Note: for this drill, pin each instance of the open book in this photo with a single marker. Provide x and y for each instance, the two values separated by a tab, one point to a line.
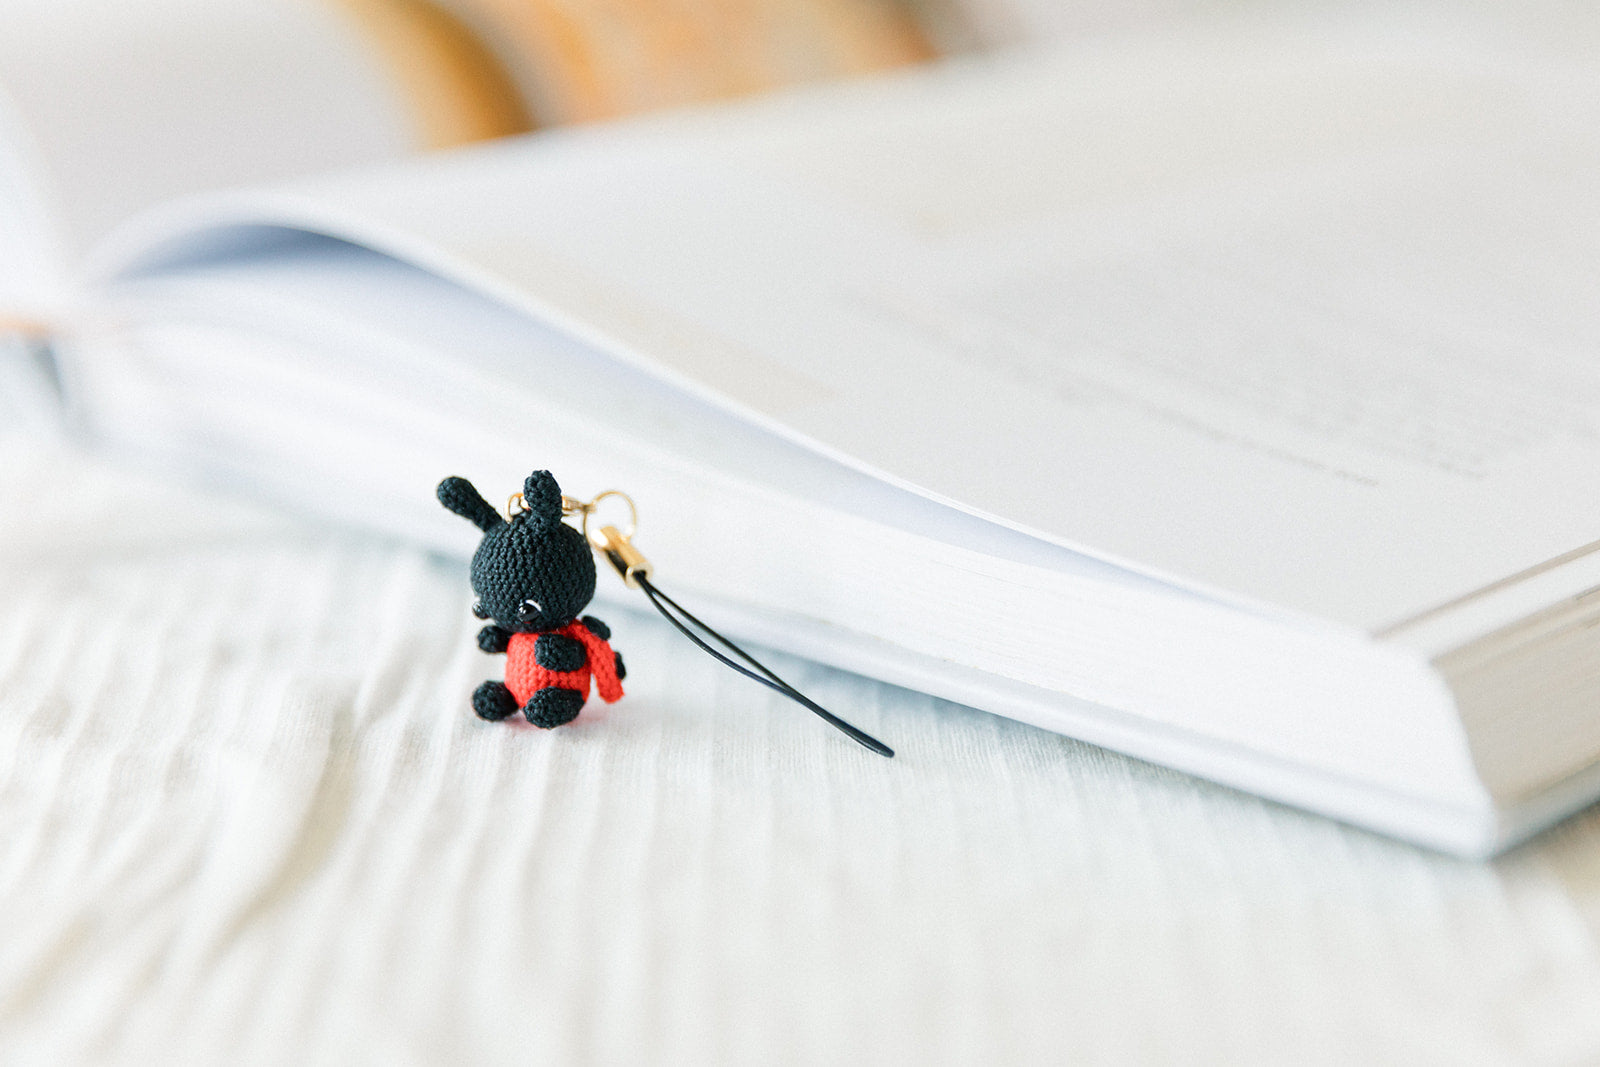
1226	396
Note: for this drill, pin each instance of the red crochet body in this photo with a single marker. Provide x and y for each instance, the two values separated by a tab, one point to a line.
524	676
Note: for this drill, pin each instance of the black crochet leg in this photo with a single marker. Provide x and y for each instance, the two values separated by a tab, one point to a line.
553	706
493	701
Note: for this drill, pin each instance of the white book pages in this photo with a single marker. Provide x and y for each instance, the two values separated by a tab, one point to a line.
1300	319
349	384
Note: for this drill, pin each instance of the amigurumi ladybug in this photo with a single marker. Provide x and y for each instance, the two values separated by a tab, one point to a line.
533	575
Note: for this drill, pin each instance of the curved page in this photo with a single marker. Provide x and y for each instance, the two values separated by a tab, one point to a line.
1296	317
347	384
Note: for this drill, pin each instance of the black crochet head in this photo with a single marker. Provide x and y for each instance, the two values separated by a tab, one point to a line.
533	573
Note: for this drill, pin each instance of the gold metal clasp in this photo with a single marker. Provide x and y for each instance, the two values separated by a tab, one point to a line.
615	545
623	557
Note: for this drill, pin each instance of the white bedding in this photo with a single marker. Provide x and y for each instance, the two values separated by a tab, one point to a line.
246	815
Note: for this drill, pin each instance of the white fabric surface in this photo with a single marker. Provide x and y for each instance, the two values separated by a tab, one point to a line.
247	816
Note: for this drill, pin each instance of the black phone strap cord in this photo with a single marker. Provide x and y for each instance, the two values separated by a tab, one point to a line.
681	618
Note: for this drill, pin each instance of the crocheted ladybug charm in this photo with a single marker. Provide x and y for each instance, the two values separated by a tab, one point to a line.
533	575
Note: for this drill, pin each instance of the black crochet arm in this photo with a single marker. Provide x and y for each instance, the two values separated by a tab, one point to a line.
494	639
558	652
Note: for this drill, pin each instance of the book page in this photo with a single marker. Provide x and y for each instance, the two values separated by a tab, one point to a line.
1298	316
107	108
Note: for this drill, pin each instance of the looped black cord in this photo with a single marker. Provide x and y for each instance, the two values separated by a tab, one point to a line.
662	601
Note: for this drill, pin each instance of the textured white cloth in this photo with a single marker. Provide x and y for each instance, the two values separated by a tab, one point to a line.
246	815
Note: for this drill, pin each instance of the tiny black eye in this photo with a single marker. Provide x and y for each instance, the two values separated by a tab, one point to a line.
477	609
529	609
